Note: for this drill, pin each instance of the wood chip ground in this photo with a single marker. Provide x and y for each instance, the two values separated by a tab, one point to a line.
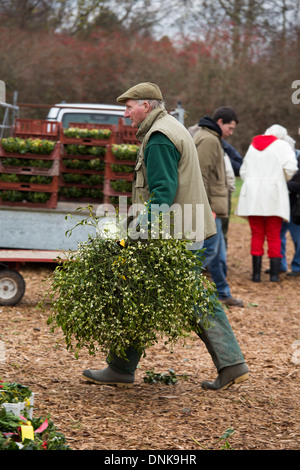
263	412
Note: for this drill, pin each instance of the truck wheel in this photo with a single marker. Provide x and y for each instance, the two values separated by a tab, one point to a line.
12	287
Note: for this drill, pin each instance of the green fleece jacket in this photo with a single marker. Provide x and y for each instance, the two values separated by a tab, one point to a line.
162	172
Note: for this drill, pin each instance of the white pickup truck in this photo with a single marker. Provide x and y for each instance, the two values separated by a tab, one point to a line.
86	113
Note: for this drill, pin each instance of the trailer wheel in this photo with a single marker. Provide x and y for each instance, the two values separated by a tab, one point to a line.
12	287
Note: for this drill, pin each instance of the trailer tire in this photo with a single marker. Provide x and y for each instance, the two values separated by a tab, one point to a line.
12	287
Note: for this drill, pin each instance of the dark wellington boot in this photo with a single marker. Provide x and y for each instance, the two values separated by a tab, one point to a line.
227	377
109	376
256	268
274	269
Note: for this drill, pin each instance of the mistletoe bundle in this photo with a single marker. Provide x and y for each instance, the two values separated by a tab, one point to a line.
106	296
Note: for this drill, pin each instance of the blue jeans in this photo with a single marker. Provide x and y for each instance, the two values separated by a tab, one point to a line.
295	234
216	260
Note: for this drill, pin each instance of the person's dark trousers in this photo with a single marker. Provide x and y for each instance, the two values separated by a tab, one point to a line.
256	268
219	340
126	365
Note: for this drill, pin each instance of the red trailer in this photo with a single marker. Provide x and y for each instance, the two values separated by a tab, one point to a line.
12	284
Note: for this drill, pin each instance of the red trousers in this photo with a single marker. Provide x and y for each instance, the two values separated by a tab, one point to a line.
265	228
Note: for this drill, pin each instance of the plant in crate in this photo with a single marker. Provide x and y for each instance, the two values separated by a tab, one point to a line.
40	146
31	145
14	145
24	196
72	149
81	133
125	151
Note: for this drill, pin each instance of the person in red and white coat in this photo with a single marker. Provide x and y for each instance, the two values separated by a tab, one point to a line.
267	166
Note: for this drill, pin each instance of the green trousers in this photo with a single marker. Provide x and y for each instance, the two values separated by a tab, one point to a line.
219	340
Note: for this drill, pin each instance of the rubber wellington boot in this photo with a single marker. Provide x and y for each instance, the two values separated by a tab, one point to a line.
109	376
274	269
228	376
256	268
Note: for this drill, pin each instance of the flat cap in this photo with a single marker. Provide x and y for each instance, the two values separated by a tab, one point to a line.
141	91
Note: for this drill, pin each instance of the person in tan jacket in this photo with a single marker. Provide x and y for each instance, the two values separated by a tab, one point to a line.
208	141
167	171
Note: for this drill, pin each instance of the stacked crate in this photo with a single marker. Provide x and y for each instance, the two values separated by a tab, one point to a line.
28	177
119	164
82	166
